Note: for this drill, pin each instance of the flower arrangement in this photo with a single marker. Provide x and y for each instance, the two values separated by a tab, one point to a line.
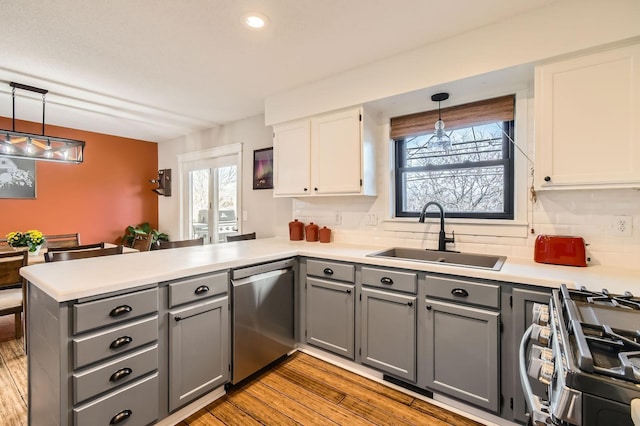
32	239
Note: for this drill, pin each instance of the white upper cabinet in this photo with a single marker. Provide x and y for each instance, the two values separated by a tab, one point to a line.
292	159
587	114
323	155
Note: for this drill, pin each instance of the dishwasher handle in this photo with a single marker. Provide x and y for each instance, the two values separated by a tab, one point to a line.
238	274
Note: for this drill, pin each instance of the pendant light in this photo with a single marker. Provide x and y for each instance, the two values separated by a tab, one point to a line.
439	138
38	147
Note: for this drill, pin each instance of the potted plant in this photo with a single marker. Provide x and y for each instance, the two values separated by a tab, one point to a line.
143	228
32	240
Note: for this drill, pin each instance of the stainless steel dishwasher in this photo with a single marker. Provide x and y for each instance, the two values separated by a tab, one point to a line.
263	326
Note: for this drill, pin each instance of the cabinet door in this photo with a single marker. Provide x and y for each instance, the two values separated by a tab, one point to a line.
523	301
462	354
291	159
330	316
588	120
198	350
336	153
388	325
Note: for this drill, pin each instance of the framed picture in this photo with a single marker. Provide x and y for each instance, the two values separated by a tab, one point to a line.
17	178
263	168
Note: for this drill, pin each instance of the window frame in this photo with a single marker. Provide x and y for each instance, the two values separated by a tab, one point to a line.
508	162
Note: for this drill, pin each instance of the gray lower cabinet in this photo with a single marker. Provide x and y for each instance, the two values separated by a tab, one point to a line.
331	316
199	350
94	360
462	356
388	332
199	336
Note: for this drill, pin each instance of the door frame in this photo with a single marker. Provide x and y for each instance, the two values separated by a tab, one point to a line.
185	160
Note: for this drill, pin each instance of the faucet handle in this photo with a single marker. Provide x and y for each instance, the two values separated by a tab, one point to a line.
452	239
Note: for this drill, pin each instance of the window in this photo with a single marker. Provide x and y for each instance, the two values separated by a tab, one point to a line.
474	179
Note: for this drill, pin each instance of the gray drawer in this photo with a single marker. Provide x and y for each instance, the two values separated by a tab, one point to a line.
391	280
107	376
332	270
464	291
137	403
94	347
192	289
90	315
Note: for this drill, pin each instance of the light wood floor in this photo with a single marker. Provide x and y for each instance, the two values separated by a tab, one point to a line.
303	390
13	376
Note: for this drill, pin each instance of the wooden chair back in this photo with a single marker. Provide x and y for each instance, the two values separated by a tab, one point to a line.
12	286
82	254
142	242
182	243
77	248
62	240
241	237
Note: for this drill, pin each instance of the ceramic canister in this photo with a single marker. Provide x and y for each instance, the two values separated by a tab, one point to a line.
312	232
296	230
325	234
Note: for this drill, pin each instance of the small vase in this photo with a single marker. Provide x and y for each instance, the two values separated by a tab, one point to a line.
36	251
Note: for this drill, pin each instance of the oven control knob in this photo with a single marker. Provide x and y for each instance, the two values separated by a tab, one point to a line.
540	314
541	333
543	353
541	370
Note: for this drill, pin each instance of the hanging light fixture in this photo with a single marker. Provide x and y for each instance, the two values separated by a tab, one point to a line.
38	147
440	138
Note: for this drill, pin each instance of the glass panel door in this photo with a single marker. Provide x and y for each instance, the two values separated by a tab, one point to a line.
213	203
199	203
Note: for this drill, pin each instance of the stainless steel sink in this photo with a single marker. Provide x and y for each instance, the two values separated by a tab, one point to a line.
471	260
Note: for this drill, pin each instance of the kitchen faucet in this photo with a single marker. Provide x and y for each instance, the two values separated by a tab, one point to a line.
442	237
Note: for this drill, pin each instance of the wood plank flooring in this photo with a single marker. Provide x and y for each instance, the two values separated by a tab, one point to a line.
13	376
303	390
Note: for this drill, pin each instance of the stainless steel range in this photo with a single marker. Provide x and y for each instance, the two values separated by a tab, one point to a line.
587	351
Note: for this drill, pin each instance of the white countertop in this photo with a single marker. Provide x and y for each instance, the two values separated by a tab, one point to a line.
89	277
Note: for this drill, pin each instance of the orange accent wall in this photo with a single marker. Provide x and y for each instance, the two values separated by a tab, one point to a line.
98	198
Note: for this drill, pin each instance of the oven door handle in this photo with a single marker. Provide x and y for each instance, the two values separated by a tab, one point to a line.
635	411
538	410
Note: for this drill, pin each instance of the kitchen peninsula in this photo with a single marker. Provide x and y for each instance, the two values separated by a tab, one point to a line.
142	292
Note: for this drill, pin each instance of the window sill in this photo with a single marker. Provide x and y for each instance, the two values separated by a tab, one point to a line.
479	227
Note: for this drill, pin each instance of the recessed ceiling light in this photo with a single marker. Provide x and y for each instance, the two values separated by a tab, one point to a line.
255	20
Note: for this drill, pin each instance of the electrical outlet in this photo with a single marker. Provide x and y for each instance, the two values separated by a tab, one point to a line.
338	220
372	219
245	215
622	226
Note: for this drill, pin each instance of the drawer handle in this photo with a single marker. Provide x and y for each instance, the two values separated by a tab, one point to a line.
120	310
328	271
120	374
428	307
460	292
348	291
120	342
386	280
121	417
409	303
201	290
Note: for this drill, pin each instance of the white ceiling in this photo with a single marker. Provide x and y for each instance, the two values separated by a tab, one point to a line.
159	69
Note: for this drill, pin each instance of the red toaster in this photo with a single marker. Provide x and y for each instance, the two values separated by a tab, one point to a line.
560	250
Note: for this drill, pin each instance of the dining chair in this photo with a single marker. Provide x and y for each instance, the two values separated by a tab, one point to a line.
12	287
82	254
77	248
241	237
62	240
182	243
142	242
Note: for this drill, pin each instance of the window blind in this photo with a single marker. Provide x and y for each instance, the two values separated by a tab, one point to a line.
475	113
